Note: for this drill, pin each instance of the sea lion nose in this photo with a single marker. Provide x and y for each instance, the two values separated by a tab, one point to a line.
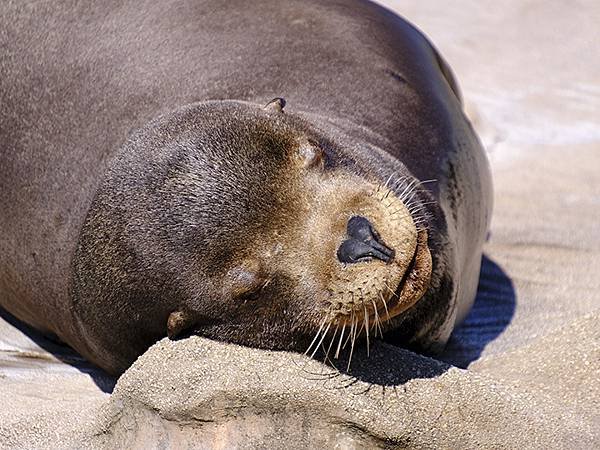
363	243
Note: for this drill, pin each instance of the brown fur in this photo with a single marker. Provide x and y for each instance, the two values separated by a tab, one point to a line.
223	217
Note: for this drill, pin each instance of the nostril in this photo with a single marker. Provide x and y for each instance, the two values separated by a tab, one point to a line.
360	228
363	243
352	251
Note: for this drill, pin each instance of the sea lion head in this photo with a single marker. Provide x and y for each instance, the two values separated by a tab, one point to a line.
246	224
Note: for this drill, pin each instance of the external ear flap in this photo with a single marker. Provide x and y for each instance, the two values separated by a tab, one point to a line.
177	322
275	105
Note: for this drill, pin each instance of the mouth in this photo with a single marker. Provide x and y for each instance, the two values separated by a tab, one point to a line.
413	285
409	290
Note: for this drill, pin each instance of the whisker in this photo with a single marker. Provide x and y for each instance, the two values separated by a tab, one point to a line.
367	328
337	352
379	322
413	189
409	187
316	336
388	180
352	347
400	181
385	306
331	342
321	341
376	324
418	206
350	331
362	326
389	288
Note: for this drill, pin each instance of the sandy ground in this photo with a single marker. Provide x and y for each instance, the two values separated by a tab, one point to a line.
528	355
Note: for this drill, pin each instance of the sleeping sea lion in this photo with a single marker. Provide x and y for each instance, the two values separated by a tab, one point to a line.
154	182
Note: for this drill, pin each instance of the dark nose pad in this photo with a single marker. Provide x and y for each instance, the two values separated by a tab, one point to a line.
363	243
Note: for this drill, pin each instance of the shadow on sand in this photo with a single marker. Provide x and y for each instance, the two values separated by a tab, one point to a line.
61	352
492	312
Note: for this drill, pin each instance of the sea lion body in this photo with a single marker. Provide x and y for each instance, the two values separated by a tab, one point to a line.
76	80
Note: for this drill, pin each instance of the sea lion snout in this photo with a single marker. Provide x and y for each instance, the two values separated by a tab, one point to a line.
382	263
363	243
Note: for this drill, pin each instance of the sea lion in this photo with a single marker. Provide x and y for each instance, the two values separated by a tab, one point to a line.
151	187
